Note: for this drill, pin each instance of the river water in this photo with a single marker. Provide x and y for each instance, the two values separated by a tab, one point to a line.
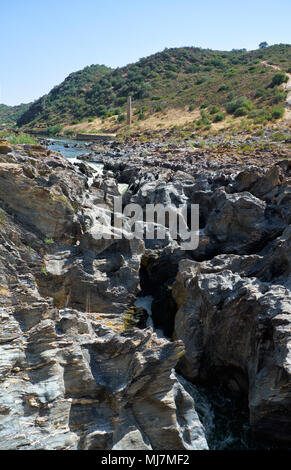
68	148
225	422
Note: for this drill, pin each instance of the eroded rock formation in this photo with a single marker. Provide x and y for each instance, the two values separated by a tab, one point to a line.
71	375
233	293
76	373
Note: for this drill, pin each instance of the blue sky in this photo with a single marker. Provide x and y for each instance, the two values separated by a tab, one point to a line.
42	41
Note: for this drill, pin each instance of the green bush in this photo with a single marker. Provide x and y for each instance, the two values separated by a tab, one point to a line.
279	78
54	130
49	241
239	107
214	109
277	113
260	116
261	93
23	139
260	133
68	132
204	121
159	108
202	80
204	114
279	137
219	117
4	134
223	88
121	118
242	111
278	97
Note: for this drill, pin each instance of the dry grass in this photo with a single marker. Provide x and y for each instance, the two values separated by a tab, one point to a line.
175	117
4	292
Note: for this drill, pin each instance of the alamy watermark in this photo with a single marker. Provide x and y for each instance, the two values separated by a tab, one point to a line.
154	221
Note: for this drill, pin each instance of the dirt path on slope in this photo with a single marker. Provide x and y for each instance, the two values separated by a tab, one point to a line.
286	86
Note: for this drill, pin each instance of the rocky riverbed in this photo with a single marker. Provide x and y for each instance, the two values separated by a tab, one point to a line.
80	367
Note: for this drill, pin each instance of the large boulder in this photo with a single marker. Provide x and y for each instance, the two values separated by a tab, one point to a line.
240	223
38	200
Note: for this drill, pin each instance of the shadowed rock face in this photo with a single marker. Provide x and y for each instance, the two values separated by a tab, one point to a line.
234	319
71	376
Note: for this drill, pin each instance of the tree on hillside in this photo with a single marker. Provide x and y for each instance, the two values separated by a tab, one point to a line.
263	44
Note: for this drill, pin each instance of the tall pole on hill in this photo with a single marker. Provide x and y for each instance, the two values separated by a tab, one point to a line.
129	111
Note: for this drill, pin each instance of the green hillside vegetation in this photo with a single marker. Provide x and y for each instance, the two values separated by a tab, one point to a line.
67	100
279	55
215	82
10	114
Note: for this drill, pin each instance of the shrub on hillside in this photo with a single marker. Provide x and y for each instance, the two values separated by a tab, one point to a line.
69	132
204	121
223	88
239	107
279	137
219	117
214	109
279	96
242	111
202	80
260	116
54	130
261	93
159	108
279	78
192	69
121	118
277	113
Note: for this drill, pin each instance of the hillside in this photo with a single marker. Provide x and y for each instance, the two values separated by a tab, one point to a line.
10	114
209	84
65	101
